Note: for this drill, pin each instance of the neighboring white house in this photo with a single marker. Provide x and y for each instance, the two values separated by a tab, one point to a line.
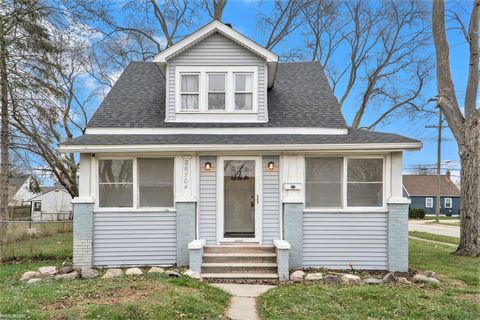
19	190
217	156
54	204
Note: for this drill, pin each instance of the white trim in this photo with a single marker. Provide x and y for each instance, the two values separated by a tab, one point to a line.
258	206
281	244
445	203
346	210
222	131
241	147
82	200
197	244
209	29
398	201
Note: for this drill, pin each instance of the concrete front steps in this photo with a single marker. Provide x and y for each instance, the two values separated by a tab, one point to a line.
239	262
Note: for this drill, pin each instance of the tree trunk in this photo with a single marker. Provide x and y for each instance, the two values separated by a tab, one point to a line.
3	136
470	192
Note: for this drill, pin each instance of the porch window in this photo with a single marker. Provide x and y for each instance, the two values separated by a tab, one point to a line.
155	182
335	182
324	182
115	183
364	183
189	91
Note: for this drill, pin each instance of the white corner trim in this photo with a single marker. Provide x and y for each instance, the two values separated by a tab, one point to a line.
281	244
240	147
78	200
222	131
197	244
224	30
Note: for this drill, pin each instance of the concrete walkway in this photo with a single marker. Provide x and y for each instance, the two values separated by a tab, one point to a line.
243	304
440	229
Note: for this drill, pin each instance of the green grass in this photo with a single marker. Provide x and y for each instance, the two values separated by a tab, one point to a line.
452	224
442	218
150	296
57	247
434	237
25	230
457	298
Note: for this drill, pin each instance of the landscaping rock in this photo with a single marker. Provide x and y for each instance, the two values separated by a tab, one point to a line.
314	277
350	279
133	272
372	281
112	273
34	280
156	270
433	282
91	273
332	278
403	280
192	274
173	274
30	275
389	278
47	271
431	274
65	270
67	276
297	275
420	278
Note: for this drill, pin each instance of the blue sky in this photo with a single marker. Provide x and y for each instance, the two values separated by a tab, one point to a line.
242	15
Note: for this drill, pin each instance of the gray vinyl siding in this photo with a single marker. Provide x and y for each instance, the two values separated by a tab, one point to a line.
332	240
134	238
271	201
208	201
217	50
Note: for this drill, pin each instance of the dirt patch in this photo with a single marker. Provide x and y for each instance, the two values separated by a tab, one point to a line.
475	298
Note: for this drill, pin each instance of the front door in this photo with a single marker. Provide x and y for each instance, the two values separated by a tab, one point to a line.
239	178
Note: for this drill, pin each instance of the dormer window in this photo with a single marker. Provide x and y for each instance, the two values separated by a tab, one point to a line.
217	89
189	91
243	91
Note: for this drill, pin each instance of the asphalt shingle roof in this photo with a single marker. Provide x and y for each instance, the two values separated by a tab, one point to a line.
353	136
301	97
426	185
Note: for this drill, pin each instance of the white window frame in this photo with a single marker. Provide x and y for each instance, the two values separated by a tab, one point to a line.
203	72
136	202
450	203
429	202
224	92
188	92
235	90
345	207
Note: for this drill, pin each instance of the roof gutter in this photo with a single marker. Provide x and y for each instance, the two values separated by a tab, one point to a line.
241	147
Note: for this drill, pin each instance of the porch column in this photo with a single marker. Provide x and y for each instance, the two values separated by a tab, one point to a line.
83	234
186	213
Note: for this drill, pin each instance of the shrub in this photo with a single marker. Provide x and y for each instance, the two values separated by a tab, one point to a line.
416	213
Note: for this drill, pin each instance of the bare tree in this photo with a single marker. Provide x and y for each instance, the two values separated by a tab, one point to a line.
24	44
465	126
215	8
375	52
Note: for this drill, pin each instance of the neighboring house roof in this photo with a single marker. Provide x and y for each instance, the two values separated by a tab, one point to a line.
46	190
301	97
426	185
354	136
18	181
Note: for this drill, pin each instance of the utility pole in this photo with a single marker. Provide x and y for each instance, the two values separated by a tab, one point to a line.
438	202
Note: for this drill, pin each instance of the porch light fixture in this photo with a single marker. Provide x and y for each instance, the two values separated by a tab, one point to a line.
271	166
208	166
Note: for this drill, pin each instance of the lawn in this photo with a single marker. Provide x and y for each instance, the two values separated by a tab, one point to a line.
150	296
457	298
56	247
434	237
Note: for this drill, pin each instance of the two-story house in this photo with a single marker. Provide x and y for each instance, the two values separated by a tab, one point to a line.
218	157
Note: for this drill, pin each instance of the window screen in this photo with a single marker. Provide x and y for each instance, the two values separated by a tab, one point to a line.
155	182
323	182
364	183
115	183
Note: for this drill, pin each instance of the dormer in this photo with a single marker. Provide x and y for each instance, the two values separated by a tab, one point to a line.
217	75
